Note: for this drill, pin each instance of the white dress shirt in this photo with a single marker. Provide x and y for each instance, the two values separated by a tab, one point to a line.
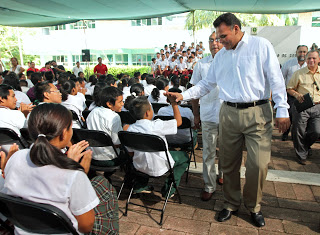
246	74
153	163
68	190
183	135
104	119
290	67
210	103
163	63
172	65
21	98
76	103
76	70
12	119
181	66
148	89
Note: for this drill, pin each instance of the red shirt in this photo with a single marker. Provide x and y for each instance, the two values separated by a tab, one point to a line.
34	70
100	69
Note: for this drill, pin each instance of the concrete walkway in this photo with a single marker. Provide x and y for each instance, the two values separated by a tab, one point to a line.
291	201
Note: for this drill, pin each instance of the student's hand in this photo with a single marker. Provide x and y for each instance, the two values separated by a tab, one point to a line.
283	124
197	121
4	159
75	152
86	160
177	96
125	127
26	108
83	90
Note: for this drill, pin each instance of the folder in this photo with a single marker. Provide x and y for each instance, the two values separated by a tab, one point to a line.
307	103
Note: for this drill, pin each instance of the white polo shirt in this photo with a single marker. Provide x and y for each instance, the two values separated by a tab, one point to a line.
12	119
155	163
162	63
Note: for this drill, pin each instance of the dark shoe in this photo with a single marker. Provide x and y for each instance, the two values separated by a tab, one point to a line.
205	196
225	215
258	219
301	161
284	137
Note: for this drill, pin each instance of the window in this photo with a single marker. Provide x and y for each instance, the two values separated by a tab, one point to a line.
121	59
142	59
61	59
83	24
147	22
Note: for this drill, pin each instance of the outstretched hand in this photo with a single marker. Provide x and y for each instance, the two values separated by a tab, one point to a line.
176	97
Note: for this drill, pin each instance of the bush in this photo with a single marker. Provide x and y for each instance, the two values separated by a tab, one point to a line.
115	70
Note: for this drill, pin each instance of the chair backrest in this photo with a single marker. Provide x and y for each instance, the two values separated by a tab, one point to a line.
126	118
88	102
142	142
76	118
88	97
186	123
8	137
35	217
157	106
94	138
186	106
85	114
26	136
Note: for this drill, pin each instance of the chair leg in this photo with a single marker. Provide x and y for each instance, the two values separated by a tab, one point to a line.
122	185
128	201
190	157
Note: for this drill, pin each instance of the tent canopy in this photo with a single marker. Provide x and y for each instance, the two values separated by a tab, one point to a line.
38	13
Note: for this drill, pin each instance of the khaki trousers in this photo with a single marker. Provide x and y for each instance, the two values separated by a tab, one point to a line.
252	126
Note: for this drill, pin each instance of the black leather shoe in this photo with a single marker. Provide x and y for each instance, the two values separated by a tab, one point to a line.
258	219
225	215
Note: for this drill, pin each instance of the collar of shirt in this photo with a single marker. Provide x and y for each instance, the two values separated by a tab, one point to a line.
244	40
309	71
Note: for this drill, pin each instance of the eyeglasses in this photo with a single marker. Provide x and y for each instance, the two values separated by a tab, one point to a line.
56	91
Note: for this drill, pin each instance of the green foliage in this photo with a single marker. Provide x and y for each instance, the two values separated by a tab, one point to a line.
9	44
115	70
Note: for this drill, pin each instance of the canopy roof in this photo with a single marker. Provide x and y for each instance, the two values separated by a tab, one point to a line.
37	13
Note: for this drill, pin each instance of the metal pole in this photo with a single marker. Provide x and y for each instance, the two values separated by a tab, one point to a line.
19	44
193	29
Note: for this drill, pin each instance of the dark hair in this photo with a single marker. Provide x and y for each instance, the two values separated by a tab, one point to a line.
71	76
35	78
229	19
137	89
150	80
92	77
136	74
143	76
109	94
63	78
184	80
66	89
49	76
74	79
80	80
49	62
96	92
23	83
102	78
4	91
12	80
174	89
160	85
175	81
79	73
20	75
138	107
110	80
131	81
50	120
29	73
40	88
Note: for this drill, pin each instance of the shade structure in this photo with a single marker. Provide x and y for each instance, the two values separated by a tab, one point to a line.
38	13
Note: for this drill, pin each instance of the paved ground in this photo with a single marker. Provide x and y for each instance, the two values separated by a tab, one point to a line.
288	208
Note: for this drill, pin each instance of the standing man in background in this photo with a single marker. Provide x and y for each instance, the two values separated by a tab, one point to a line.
77	69
246	71
100	69
209	116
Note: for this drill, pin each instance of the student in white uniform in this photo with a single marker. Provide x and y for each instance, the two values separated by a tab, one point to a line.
10	118
56	178
173	66
154	66
182	66
183	135
12	80
96	94
46	92
90	85
73	101
157	94
104	118
135	91
150	85
155	164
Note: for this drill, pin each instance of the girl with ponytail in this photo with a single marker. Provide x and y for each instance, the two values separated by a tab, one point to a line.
45	174
157	94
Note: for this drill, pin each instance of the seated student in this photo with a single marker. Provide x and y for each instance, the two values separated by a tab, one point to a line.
35	78
46	92
90	80
24	86
104	118
110	80
183	135
182	66
135	91
150	85
48	76
154	66
53	177
175	83
190	65
10	117
126	90
12	80
82	83
73	101
143	80
155	164
63	77
173	66
93	82
30	84
96	94
157	94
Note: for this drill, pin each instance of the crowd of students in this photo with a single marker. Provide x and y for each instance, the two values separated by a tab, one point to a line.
177	61
55	168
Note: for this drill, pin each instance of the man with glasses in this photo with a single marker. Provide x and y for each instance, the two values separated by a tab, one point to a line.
246	71
209	116
288	69
306	124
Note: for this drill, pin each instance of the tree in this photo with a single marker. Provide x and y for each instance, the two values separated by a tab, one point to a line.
9	45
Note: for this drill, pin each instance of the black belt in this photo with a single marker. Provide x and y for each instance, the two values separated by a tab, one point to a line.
246	105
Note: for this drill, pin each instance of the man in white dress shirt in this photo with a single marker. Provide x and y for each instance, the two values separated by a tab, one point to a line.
246	71
288	69
209	115
77	69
